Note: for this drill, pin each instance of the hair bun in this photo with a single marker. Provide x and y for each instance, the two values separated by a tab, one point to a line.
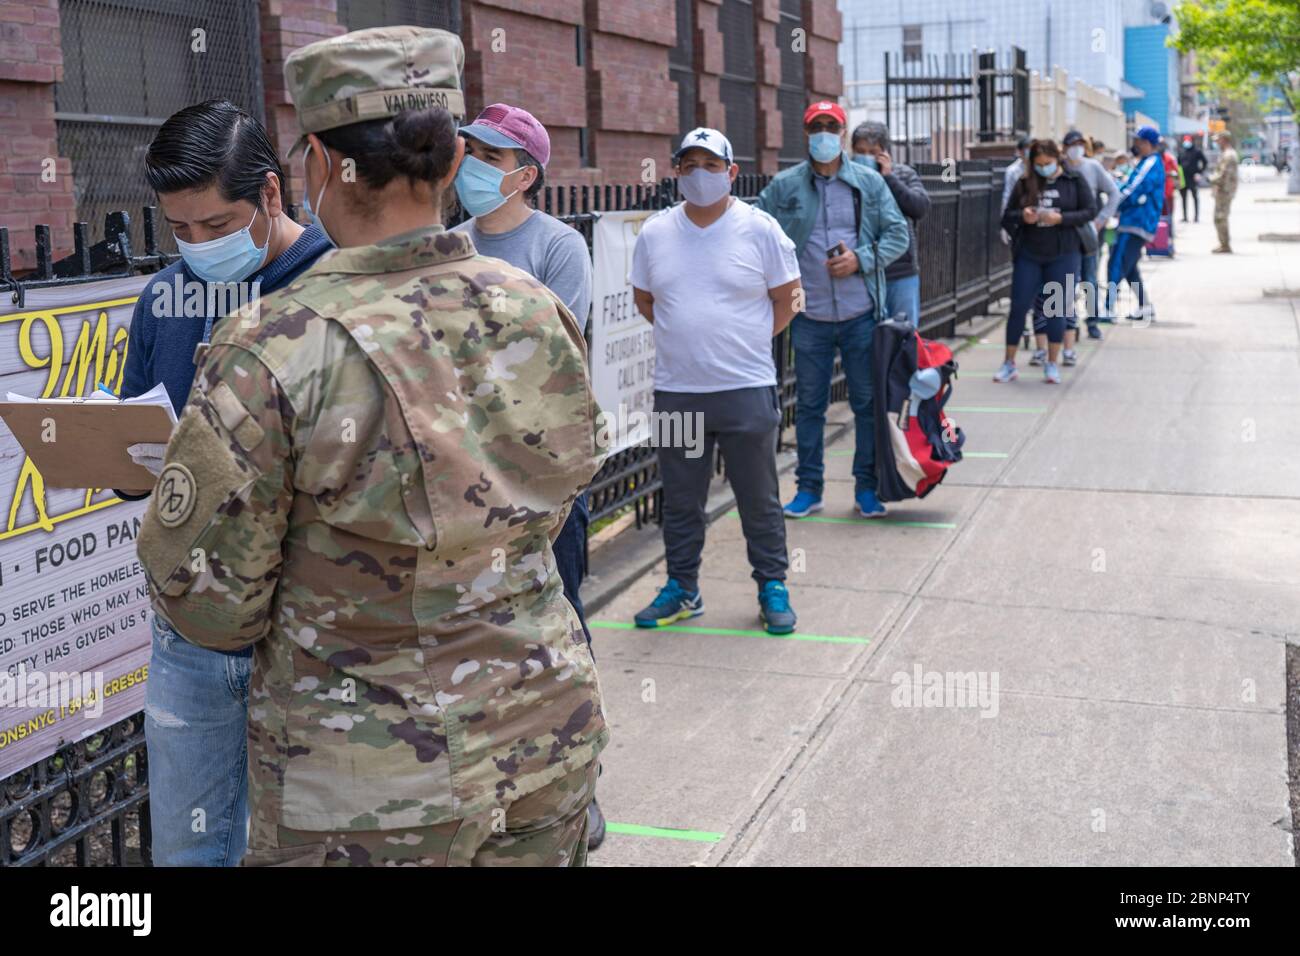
419	137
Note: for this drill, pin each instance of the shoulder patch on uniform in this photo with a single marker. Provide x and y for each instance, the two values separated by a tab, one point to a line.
175	495
235	417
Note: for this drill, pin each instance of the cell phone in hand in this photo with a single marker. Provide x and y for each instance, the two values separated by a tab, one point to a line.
839	249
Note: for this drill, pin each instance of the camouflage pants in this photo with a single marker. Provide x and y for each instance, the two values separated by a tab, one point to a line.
547	827
1222	206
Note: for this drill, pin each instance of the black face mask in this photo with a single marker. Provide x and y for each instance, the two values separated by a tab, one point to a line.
1134	150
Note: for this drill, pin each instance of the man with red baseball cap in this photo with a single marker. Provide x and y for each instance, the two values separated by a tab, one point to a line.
506	152
847	227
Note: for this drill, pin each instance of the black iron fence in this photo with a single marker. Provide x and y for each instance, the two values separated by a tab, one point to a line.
937	107
87	803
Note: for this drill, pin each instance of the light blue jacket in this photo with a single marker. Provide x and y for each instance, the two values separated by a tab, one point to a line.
883	235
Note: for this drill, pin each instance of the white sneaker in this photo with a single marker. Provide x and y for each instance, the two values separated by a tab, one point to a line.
1007	373
1039	357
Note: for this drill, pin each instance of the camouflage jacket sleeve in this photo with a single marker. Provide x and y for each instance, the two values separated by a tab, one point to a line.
211	539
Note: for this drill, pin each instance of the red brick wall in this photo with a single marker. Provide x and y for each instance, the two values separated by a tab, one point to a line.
526	54
632	104
30	63
287	25
619	96
821	18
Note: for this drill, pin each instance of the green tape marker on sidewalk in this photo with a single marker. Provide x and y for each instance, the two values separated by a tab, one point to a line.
728	632
889	522
665	833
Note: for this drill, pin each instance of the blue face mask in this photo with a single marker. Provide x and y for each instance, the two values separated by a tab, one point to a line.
478	185
320	196
865	160
229	258
823	147
1046	171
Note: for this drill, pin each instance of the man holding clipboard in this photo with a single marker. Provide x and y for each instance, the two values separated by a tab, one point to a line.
221	189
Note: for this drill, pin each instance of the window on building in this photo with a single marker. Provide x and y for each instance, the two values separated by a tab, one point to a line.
738	81
791	92
681	67
361	14
127	66
912	44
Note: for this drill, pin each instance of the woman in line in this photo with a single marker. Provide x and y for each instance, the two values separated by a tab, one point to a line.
1046	207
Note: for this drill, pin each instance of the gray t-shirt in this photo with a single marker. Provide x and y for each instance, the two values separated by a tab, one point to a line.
548	250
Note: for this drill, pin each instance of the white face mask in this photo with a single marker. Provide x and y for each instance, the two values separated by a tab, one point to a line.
700	187
1076	154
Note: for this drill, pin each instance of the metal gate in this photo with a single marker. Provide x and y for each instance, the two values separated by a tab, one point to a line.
130	64
937	107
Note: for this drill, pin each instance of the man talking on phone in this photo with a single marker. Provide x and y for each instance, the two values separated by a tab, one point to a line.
847	228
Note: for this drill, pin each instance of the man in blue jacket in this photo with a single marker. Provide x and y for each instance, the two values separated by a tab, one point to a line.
1141	196
221	189
846	227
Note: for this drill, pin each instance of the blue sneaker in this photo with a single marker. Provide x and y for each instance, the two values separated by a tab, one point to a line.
672	604
802	505
774	608
869	505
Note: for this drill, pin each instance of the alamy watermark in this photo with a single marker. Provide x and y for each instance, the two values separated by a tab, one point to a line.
951	689
60	693
662	429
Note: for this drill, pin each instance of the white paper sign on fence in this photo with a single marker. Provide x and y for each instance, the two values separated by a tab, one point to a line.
622	341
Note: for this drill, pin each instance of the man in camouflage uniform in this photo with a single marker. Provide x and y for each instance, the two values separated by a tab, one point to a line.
1224	183
364	486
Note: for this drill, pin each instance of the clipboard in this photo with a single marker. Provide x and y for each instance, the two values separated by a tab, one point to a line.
90	440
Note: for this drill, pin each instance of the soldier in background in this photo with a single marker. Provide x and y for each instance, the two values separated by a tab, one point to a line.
364	487
1224	183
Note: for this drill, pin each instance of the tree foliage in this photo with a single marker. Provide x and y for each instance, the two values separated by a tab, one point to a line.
1243	44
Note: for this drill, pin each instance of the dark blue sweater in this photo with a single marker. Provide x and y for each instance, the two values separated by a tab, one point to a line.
162	349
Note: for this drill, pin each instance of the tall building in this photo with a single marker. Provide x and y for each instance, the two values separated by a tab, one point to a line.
1154	68
1084	37
85	83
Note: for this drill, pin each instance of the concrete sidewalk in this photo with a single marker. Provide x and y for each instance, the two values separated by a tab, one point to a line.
1121	554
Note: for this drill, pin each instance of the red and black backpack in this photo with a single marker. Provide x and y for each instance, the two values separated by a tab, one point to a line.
916	442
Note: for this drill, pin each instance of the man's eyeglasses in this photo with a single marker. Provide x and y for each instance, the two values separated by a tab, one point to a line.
827	126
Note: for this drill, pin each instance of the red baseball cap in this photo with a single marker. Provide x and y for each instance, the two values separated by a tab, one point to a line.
825	108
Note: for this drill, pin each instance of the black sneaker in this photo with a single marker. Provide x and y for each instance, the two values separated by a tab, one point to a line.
595	826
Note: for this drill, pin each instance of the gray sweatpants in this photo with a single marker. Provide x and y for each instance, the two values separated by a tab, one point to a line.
744	423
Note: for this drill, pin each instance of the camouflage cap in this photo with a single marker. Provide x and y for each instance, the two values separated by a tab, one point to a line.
373	74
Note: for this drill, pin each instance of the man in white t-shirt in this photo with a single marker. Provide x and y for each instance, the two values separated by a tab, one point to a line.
717	279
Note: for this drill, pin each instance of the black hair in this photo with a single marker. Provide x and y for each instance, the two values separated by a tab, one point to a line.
417	144
525	158
872	133
1023	142
214	142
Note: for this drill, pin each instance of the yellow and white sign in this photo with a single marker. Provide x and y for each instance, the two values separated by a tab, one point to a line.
74	640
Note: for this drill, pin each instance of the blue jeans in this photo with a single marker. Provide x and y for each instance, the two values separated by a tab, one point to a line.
570	549
1091	294
1123	267
814	361
1030	280
904	295
196	731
